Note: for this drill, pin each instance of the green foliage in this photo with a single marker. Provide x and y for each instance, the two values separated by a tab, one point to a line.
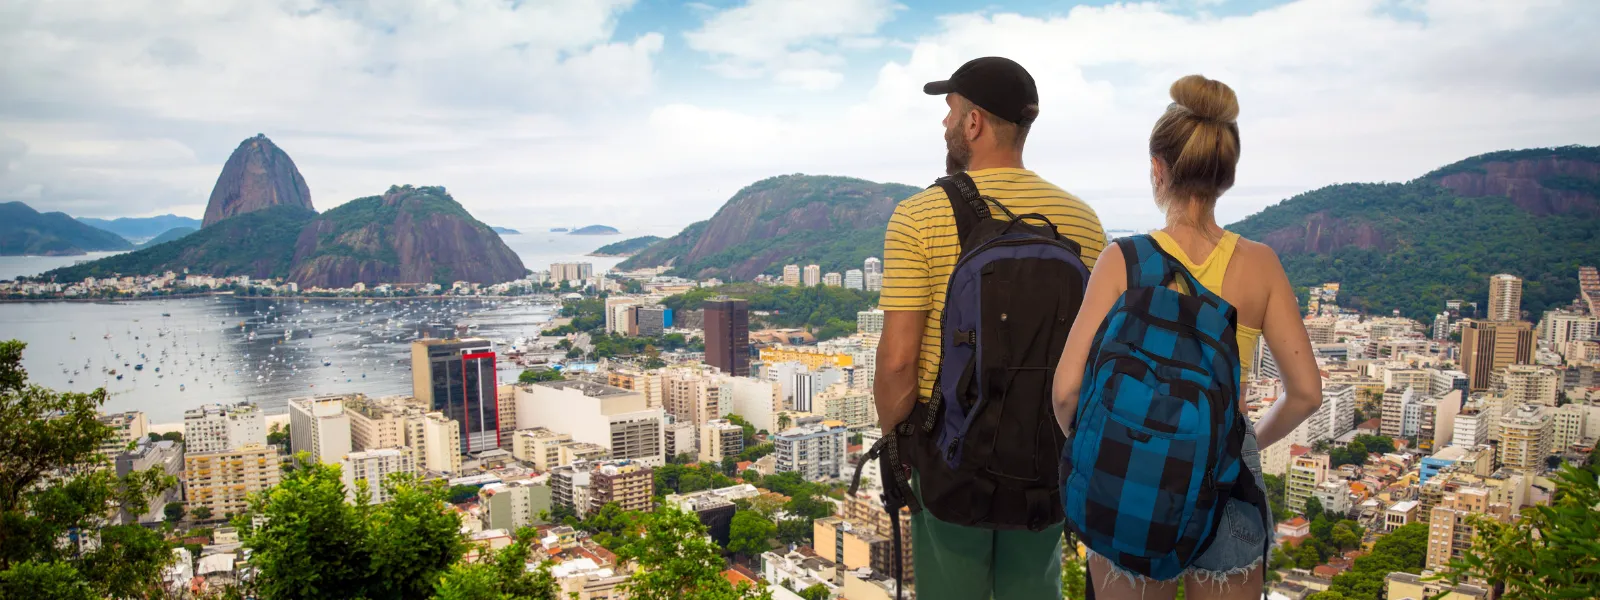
817	591
749	532
676	561
749	430
627	247
1306	557
1275	495
277	435
682	479
754	453
201	512
538	375
1376	443
1313	508
1404	549
259	244
476	581
173	511
307	542
503	575
54	482
1476	163
612	527
24	230
809	506
795	531
1551	552
1073	582
1441	248
811	307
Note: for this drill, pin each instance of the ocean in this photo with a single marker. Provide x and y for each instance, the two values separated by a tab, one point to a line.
196	351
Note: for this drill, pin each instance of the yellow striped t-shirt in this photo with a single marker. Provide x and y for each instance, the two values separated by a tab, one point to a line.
920	248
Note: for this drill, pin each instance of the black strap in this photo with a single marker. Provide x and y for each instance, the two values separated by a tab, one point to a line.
965	202
897	491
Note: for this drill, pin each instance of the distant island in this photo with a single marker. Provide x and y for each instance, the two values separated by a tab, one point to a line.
169	235
506	231
141	229
27	232
558	230
627	247
594	230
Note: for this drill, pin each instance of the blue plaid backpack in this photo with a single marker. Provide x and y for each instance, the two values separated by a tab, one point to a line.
1156	451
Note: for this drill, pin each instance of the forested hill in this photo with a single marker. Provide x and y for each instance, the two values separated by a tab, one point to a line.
1411	246
835	222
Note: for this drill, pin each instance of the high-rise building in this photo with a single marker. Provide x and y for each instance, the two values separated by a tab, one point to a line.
1306	472
214	428
870	321
1525	436
812	358
127	427
811	276
512	506
167	456
1443	381
727	328
832	279
1567	425
1441	326
854	280
539	447
580	271
692	396
719	438
505	396
613	419
457	378
815	451
1420	379
851	546
872	265
569	487
874	282
1395	403
644	382
1488	346
619	313
373	467
840	402
1449	531
1505	298
631	485
1472	426
318	425
865	510
758	401
1336	416
647	321
1589	289
682	438
801	384
436	440
791	275
1529	384
374	424
1560	326
223	481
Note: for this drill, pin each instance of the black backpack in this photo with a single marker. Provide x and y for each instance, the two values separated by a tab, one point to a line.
986	445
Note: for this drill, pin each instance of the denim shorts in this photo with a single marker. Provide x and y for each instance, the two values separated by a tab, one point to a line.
1241	540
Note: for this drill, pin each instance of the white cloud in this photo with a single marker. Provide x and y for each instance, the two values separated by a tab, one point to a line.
797	42
548	118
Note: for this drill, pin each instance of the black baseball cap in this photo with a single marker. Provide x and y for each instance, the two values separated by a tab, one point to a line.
998	85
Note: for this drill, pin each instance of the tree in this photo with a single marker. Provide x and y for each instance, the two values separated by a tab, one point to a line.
1306	557
817	591
1404	549
677	562
1326	595
1313	509
810	507
503	576
307	541
458	494
1343	538
177	436
54	482
1551	552
749	430
278	435
201	512
730	465
1073	580
795	531
784	421
538	375
1275	497
173	511
476	581
754	453
1376	443
749	532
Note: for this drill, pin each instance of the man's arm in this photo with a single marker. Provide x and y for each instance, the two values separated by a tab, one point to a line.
894	386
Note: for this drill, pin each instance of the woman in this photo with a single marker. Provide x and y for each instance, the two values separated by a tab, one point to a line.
1194	150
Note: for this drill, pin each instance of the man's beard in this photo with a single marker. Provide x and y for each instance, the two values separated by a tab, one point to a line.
957	153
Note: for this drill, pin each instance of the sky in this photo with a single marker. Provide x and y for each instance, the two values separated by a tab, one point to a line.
648	115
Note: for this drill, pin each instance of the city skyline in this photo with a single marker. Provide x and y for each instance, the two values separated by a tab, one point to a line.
593	104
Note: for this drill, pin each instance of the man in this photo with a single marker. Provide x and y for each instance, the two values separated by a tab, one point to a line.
993	103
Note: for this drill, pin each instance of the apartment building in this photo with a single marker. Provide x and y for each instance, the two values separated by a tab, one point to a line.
1472	426
214	427
870	321
757	401
1489	346
375	423
164	455
1305	473
610	417
539	447
1505	298
578	452
1567	425
791	275
865	510
374	467
811	276
720	438
436	440
851	405
643	382
810	357
318	425
512	506
569	487
815	451
127	427
1529	384
630	485
1525	437
851	546
1449	532
223	481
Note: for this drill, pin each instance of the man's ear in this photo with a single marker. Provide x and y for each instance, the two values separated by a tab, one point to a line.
975	124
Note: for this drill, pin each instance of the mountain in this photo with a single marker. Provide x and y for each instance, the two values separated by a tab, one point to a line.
259	244
25	231
257	175
506	231
627	247
408	235
1411	246
594	230
141	228
169	235
835	222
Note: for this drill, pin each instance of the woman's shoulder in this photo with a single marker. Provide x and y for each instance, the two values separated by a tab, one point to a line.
1254	255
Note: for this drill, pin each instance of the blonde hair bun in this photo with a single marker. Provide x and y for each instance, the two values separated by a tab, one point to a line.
1206	98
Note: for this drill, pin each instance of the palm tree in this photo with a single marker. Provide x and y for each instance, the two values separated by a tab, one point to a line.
783	421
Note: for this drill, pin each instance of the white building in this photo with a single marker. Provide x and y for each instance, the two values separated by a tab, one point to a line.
1525	437
811	276
512	506
853	280
215	428
1334	496
539	447
611	417
1336	416
439	449
373	467
816	451
1559	327
840	402
720	438
874	282
757	401
1568	423
1530	384
832	280
319	426
870	321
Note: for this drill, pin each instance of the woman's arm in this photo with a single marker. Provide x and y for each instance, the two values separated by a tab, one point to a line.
1285	334
1109	280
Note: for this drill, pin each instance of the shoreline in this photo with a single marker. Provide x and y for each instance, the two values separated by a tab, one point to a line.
231	294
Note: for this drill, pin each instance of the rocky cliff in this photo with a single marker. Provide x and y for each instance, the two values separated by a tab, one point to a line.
835	222
408	235
257	175
1411	246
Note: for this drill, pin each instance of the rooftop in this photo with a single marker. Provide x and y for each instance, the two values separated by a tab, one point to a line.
587	388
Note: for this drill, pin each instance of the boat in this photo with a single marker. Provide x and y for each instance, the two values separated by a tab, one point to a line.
166	314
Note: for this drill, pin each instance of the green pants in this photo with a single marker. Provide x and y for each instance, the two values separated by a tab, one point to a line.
955	562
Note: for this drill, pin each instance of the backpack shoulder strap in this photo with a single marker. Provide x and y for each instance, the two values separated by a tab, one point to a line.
1147	265
965	202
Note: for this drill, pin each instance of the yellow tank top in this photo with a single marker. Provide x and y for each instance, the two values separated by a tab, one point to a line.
1210	274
